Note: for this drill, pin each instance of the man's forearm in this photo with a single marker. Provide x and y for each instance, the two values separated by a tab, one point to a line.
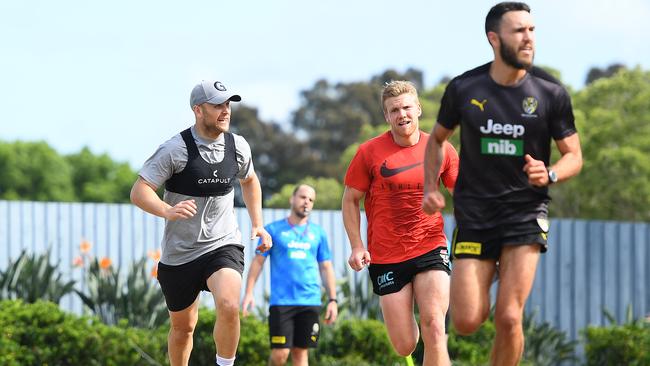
253	274
432	163
144	196
351	222
570	163
329	279
252	194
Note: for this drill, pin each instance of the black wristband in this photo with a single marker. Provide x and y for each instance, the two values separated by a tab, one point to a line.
333	300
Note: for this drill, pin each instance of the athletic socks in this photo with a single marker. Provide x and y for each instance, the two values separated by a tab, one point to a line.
225	361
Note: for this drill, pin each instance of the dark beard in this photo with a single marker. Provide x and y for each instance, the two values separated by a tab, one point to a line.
509	57
301	214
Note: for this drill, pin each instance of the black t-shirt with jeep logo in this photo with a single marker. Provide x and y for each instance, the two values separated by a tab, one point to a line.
498	126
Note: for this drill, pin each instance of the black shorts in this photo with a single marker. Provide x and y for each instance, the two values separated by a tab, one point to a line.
182	284
390	278
294	326
487	244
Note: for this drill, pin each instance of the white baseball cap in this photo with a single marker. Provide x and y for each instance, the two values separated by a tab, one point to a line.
213	92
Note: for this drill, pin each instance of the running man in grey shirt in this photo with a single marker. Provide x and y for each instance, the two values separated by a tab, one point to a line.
202	246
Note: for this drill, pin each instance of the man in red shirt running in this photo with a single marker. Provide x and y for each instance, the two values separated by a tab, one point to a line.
407	252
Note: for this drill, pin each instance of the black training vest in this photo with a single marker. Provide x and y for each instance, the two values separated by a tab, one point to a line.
200	178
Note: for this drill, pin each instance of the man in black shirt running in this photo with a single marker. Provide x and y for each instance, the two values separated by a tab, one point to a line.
508	111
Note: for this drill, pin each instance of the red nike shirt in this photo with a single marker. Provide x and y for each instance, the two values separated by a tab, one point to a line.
392	177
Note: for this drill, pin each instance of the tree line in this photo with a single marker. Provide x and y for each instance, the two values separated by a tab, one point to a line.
612	116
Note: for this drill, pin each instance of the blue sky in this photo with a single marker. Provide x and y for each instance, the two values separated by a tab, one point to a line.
116	76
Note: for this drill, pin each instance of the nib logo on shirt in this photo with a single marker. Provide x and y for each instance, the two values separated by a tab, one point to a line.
502	146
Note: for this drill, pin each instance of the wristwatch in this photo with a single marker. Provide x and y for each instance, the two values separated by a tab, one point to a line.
552	177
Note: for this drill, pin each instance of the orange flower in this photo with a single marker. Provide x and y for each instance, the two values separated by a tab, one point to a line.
154	255
85	246
105	263
154	271
78	261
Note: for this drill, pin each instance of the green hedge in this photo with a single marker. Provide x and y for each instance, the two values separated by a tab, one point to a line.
473	349
349	342
253	346
627	344
355	342
42	334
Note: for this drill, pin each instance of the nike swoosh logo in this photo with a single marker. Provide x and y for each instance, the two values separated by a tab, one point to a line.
387	172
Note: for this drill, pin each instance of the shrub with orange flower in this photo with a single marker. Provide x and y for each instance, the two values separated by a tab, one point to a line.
113	294
78	261
154	255
85	246
105	263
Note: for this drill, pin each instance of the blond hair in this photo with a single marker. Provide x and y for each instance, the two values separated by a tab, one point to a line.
395	88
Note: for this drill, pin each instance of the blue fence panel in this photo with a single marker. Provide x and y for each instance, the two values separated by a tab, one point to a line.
591	266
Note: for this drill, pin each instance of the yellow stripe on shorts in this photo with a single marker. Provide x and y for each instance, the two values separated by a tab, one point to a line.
278	339
468	247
